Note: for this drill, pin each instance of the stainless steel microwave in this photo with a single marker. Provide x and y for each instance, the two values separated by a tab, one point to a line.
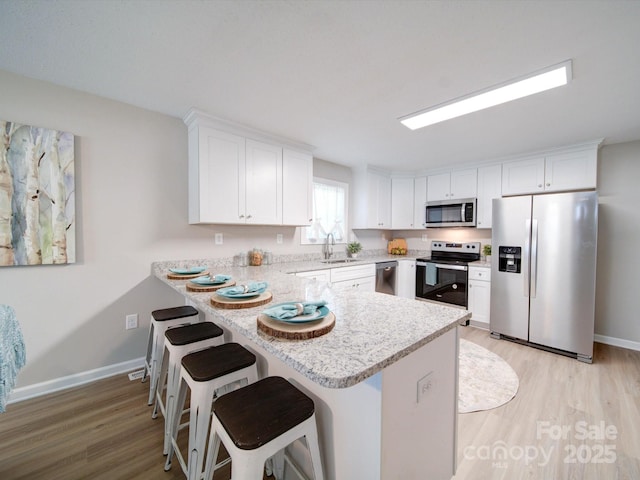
451	213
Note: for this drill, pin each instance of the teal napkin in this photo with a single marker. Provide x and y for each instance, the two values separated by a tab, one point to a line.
220	278
209	279
251	287
290	310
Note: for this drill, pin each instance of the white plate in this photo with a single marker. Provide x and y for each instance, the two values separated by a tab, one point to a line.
187	271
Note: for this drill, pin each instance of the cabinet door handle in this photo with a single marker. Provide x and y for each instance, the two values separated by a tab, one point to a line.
241	216
548	184
248	216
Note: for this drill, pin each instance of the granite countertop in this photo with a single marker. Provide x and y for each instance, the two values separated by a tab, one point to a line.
372	331
481	264
309	265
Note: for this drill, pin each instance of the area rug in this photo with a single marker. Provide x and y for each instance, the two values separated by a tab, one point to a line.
485	380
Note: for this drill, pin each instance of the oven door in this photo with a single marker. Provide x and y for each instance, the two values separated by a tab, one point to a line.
441	282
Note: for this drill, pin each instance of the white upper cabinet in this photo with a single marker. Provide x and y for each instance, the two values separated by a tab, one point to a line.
452	185
402	203
216	162
240	179
523	176
263	183
419	199
438	187
571	169
489	187
372	200
408	196
297	188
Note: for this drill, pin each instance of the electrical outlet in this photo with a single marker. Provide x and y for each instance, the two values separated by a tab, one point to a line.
131	321
425	386
219	239
279	238
424	237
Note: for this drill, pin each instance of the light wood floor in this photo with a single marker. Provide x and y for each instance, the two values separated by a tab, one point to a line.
104	430
555	394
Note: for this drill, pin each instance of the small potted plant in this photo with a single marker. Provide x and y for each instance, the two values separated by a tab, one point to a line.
354	248
486	250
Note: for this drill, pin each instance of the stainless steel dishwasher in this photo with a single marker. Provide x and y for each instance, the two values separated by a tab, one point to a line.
386	277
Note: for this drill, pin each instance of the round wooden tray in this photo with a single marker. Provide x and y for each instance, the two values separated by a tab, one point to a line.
235	303
194	287
177	276
296	331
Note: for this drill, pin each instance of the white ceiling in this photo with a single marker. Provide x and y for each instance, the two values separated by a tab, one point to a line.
337	75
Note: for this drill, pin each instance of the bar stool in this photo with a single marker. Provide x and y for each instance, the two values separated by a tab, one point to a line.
257	421
161	321
203	373
178	342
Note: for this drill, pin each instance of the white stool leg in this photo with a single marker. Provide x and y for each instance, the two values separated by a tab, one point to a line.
156	356
147	359
250	468
159	405
173	385
199	419
175	424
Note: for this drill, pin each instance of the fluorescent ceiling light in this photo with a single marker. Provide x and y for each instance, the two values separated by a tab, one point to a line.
546	79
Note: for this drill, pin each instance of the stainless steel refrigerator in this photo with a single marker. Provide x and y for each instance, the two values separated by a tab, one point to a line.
543	270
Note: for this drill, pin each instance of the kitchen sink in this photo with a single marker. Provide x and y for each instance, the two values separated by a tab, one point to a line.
339	260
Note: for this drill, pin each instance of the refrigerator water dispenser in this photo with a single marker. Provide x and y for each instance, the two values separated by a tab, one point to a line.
509	259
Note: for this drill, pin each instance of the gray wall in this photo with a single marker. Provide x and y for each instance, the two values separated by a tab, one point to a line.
131	181
618	274
131	206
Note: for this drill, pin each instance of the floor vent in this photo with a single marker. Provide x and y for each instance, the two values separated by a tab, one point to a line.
137	375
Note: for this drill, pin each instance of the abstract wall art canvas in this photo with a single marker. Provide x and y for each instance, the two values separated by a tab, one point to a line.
37	196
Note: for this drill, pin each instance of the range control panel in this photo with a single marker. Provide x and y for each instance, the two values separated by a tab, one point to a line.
442	246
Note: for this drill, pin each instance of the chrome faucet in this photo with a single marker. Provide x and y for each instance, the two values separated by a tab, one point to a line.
328	247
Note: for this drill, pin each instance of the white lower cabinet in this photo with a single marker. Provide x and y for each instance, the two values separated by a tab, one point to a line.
320	275
406	278
479	296
362	277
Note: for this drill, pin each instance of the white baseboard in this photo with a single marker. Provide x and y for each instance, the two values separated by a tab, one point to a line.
618	342
62	383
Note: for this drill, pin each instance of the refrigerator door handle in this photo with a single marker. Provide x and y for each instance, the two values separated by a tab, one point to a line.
534	257
525	255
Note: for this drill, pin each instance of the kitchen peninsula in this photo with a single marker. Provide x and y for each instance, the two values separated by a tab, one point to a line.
384	380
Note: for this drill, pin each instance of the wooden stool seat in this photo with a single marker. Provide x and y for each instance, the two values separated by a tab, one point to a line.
258	413
193	333
173	313
216	362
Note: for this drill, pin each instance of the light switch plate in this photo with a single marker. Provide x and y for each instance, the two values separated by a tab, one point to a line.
131	321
